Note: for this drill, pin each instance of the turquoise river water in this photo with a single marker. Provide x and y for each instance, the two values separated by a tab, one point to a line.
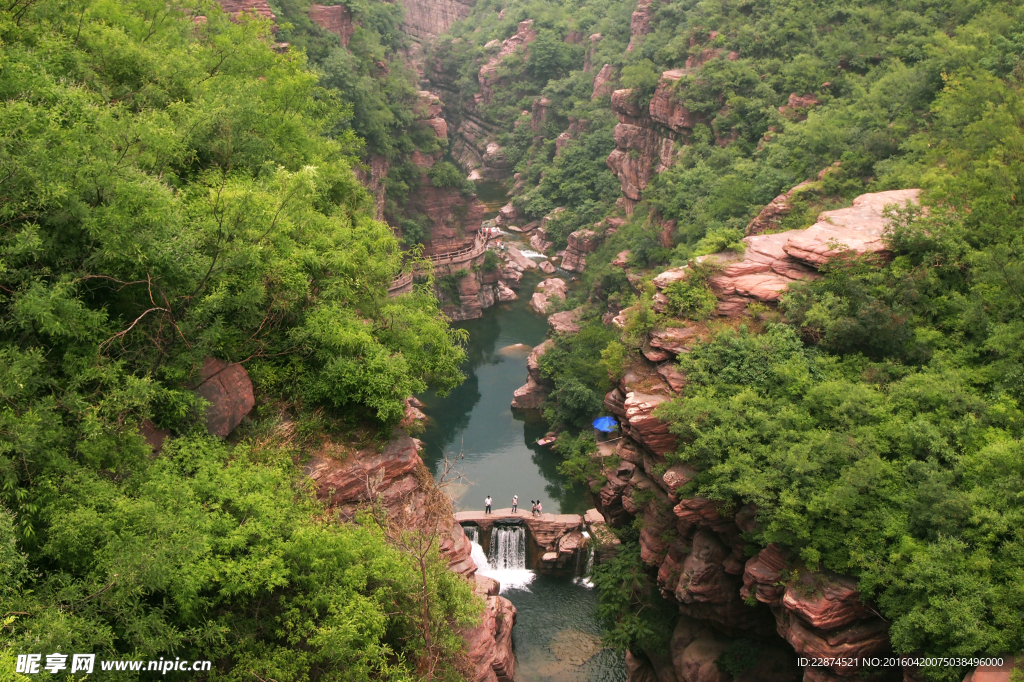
556	636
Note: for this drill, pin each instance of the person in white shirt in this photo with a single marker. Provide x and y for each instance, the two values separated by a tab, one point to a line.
487	505
515	503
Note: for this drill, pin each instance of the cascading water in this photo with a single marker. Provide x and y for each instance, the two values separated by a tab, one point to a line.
507	560
584	566
508	548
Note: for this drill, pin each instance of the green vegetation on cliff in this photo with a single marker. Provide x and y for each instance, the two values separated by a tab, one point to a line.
170	192
875	420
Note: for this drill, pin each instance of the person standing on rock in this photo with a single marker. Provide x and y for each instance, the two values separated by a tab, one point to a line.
515	503
540	508
487	505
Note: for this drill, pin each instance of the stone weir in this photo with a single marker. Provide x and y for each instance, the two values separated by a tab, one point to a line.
554	539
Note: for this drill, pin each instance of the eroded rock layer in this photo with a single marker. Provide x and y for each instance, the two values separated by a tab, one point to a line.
397	474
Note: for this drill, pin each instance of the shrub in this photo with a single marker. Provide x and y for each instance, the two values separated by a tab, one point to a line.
691	299
449	285
444	174
491	262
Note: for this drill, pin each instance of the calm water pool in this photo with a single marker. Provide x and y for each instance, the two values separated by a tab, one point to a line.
556	637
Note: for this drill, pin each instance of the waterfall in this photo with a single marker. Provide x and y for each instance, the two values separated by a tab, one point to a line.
507	560
583	570
508	548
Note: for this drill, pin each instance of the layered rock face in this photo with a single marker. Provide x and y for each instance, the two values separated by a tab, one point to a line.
697	545
334	18
395	473
476	151
639	24
488	75
641	148
425	19
603	82
454	242
666	109
645	136
259	8
475	146
698	550
772	214
581	242
771	262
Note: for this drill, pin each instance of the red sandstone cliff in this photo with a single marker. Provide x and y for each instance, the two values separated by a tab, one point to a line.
399	476
699	548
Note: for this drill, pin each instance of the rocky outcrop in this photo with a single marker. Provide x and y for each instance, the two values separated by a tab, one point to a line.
640	150
770	263
346	480
489	644
504	293
856	230
474	146
425	19
236	8
565	322
430	110
539	114
639	153
531	395
539	241
228	389
666	109
771	216
343	483
603	82
675	340
643	426
588	59
488	75
797	105
581	242
334	18
549	290
516	256
640	23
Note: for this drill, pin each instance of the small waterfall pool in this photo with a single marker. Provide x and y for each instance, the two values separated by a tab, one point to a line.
506	559
557	636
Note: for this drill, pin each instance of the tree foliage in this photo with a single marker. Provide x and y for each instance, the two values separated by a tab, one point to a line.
174	189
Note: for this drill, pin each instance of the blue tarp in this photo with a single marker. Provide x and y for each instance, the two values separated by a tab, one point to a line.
606	424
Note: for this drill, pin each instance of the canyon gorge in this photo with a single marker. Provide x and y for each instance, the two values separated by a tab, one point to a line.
728	591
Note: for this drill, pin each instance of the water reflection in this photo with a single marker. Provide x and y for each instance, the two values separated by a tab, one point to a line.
501	457
556	637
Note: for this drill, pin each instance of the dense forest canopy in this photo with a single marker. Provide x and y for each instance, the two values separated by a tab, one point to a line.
172	188
875	418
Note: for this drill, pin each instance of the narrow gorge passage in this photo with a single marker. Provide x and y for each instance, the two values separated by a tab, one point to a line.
557	636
